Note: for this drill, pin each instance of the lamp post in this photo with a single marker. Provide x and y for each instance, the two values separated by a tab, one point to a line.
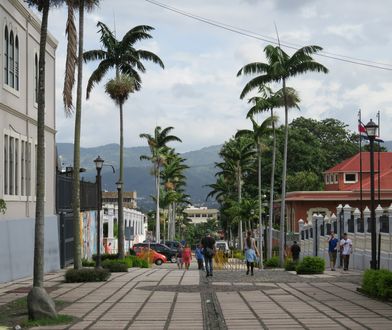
371	132
98	165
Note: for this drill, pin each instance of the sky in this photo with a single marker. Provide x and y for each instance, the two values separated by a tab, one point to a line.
198	91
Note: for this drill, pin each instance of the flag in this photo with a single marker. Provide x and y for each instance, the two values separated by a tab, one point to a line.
361	128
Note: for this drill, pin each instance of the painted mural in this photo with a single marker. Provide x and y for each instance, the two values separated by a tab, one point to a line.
89	234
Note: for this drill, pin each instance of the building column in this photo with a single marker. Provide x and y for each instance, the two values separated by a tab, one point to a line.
347	216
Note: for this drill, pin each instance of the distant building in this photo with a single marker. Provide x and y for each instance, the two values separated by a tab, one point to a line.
342	186
201	214
19	51
129	198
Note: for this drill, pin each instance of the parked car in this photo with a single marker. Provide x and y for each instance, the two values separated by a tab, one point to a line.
172	244
222	246
153	255
169	253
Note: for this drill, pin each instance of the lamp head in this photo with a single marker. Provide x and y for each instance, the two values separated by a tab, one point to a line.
371	129
98	162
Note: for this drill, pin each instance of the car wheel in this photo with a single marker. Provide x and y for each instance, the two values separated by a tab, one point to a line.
159	262
173	259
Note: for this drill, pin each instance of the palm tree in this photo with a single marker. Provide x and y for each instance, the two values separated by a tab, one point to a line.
279	68
39	303
269	101
127	62
259	134
158	147
238	156
69	81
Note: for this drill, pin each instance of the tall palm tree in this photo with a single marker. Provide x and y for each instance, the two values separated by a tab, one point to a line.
259	134
71	61
158	148
126	60
280	67
269	101
238	157
39	303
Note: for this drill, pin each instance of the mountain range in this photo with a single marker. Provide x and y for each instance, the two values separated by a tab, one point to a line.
137	173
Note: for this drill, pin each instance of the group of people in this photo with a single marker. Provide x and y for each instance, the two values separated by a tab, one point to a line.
184	256
344	246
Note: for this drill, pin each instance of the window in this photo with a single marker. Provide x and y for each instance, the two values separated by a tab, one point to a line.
335	178
11	61
17	165
350	177
6	51
36	78
16	69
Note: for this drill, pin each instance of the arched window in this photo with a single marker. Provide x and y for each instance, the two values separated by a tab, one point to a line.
11	60
17	63
36	78
6	51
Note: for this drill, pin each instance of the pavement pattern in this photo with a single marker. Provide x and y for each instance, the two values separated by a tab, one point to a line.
167	298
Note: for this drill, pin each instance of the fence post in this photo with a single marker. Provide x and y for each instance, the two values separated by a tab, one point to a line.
366	216
347	216
339	219
357	254
320	244
301	241
315	233
379	213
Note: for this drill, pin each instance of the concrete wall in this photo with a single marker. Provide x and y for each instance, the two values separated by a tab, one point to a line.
17	247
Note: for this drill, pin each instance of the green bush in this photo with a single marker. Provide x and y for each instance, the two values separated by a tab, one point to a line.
378	283
272	263
131	252
105	256
138	262
238	254
86	275
88	263
311	265
290	265
118	265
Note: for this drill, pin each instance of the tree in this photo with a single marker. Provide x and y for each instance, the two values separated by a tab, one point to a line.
158	148
127	62
39	303
69	81
259	134
304	181
279	68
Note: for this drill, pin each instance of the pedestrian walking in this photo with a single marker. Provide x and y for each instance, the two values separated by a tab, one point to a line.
251	253
108	248
346	246
199	257
208	245
295	251
180	262
187	256
332	249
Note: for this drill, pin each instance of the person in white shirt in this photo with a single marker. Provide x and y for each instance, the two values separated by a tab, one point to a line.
346	246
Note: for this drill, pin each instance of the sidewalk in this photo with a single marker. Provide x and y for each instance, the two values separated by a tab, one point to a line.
166	298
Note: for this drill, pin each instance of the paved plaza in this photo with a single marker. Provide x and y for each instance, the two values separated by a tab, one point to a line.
167	298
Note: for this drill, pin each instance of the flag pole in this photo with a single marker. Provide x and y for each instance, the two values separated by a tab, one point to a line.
360	166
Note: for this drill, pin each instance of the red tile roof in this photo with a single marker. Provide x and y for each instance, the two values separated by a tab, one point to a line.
353	164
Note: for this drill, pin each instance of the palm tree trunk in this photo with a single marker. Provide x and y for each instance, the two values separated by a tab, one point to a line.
271	207
284	174
260	210
158	224
120	192
76	162
38	301
241	239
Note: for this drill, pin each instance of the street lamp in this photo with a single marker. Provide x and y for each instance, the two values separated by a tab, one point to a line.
119	185
371	131
98	165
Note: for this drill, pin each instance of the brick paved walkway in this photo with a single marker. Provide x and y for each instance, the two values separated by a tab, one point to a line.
164	298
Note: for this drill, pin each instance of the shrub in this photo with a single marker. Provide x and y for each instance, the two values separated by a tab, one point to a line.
238	254
131	252
118	265
290	265
88	263
378	283
272	263
105	256
311	265
86	275
138	262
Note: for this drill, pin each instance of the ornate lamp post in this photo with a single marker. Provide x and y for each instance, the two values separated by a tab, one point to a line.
371	131
119	185
98	165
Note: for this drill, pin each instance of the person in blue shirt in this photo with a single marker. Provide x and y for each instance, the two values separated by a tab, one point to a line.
332	249
199	257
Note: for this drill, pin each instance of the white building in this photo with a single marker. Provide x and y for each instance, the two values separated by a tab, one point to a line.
201	214
19	51
132	218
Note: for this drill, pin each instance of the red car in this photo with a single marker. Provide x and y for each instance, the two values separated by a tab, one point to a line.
150	254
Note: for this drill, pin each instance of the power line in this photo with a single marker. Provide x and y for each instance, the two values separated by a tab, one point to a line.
254	35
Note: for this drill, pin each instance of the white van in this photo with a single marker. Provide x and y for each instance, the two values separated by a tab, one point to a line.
222	246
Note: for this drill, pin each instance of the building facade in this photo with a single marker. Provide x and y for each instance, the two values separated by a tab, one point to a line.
129	198
19	51
201	214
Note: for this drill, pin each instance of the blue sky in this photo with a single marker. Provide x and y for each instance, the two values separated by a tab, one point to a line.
198	92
